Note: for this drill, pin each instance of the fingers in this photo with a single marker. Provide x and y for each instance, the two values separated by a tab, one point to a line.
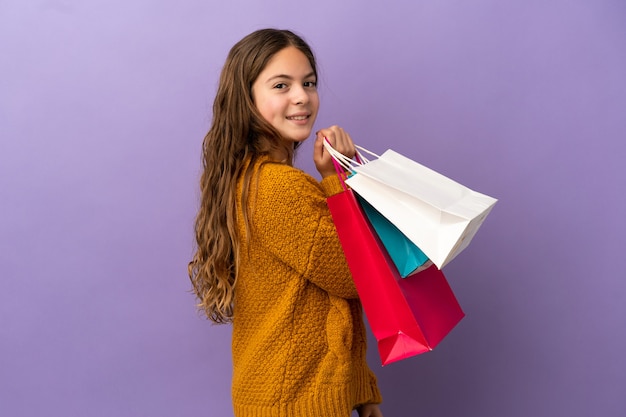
339	140
322	159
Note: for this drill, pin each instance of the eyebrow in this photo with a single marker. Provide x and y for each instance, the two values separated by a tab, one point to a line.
289	77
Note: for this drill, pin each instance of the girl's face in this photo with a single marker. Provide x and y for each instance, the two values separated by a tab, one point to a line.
285	93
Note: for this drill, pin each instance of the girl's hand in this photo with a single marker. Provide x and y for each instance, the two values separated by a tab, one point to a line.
369	410
340	140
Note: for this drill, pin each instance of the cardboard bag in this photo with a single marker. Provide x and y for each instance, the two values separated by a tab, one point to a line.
406	256
407	316
436	213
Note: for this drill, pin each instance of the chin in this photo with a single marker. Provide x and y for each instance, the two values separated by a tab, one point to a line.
298	138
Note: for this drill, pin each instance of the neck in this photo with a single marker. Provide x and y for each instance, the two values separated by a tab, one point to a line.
282	155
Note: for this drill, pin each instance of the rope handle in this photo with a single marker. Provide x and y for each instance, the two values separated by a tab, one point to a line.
345	166
338	162
345	162
360	148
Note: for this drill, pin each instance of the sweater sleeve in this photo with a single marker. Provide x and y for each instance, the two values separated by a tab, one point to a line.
291	221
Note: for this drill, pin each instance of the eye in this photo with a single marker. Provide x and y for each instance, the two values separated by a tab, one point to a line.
280	86
310	84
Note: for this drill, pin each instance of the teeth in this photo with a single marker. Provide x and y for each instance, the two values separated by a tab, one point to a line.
298	118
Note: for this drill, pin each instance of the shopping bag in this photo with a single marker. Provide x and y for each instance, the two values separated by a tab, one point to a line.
435	212
406	256
407	316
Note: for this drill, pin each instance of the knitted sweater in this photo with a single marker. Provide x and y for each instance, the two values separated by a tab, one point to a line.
298	334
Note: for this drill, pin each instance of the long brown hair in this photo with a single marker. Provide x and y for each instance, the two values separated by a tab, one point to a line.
238	134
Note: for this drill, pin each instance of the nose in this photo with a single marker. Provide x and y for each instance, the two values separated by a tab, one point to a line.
300	95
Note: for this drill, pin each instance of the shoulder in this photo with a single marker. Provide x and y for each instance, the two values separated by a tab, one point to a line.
276	169
285	179
280	194
289	179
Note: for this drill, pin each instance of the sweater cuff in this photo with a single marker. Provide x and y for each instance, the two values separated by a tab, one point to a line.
331	185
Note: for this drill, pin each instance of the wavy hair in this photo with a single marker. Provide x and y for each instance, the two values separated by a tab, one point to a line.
238	136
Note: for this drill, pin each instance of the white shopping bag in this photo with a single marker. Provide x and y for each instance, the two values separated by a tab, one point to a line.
435	212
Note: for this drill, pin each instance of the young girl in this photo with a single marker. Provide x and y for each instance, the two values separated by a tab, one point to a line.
268	258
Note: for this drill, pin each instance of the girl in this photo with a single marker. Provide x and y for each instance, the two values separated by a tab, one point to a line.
268	258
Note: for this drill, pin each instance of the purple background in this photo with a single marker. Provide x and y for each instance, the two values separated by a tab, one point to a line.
103	106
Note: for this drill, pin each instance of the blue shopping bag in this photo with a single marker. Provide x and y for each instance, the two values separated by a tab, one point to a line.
407	257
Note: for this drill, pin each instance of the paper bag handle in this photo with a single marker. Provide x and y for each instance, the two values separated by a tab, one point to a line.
360	148
338	162
348	163
345	162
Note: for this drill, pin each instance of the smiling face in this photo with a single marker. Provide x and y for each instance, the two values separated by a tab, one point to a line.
285	93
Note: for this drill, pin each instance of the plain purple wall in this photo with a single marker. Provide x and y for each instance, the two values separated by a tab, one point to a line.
103	106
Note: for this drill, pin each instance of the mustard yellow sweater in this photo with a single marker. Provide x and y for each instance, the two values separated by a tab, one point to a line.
298	334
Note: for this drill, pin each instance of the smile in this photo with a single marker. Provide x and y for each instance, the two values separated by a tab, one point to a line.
297	117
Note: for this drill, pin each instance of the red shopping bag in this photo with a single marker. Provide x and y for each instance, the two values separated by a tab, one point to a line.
408	316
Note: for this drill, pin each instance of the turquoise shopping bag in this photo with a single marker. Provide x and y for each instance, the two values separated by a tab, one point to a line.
407	257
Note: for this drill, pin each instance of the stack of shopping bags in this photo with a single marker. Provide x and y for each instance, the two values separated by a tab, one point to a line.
399	224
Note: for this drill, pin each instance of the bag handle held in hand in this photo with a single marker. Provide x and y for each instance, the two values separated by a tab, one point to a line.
339	159
339	162
345	162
